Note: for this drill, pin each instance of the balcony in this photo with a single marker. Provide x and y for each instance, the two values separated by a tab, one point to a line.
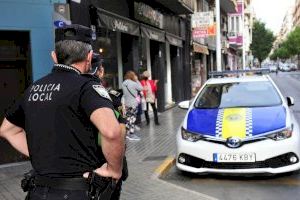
178	6
248	11
229	6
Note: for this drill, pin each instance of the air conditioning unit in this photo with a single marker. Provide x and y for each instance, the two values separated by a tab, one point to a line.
232	34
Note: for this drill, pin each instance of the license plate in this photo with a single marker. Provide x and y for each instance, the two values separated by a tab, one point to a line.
234	157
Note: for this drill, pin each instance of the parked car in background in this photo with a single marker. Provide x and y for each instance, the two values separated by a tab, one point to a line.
284	67
293	67
273	68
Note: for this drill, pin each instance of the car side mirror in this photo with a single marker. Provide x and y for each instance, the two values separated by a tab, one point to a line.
290	101
184	105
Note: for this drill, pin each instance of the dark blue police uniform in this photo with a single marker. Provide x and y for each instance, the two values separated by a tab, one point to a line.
55	114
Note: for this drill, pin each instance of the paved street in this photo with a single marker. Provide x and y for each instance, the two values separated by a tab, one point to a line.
157	143
144	158
286	186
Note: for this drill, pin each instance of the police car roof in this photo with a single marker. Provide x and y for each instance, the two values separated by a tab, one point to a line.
238	79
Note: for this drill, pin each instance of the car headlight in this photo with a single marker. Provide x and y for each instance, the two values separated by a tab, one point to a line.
281	135
192	137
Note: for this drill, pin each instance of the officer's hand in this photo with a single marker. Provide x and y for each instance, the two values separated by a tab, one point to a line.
123	128
105	171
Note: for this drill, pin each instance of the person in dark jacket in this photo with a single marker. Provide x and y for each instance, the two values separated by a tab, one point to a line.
57	122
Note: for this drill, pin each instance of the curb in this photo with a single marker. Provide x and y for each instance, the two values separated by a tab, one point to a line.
163	168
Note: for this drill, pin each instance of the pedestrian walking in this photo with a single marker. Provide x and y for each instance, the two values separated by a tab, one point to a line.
131	89
56	124
140	108
150	90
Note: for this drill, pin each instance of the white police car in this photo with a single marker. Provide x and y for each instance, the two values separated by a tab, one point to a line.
238	125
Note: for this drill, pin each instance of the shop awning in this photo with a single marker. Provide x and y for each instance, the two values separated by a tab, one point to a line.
152	33
199	48
174	40
117	23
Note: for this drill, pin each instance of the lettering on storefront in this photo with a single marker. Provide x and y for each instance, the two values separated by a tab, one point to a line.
119	25
43	92
200	49
154	36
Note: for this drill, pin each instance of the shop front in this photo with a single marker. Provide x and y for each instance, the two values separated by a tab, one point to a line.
154	39
117	40
175	70
144	35
26	40
199	68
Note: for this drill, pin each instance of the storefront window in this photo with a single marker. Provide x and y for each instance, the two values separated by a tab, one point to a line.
143	57
106	45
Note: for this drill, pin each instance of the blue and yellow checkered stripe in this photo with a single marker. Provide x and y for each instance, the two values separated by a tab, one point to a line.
236	122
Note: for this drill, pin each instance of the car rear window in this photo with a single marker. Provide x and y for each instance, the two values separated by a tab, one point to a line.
242	94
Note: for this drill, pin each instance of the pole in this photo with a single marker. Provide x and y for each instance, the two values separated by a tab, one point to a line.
218	36
243	36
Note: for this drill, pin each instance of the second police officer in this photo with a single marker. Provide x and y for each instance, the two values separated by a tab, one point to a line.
56	124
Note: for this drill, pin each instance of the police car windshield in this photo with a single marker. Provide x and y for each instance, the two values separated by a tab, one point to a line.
242	94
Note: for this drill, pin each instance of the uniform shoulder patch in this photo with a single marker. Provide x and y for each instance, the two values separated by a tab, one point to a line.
101	91
114	93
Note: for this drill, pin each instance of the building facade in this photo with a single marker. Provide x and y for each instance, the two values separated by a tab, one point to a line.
142	35
247	35
290	21
240	26
296	14
26	40
204	47
235	36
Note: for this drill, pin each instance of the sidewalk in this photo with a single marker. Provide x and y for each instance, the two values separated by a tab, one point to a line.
144	159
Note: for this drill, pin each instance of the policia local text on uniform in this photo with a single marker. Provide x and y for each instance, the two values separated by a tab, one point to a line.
56	124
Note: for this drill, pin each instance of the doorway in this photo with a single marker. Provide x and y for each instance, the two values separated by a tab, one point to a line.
158	72
177	73
15	77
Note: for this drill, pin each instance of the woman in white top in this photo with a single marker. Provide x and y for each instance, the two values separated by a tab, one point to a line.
131	88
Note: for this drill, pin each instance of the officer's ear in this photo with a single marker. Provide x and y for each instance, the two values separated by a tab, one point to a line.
54	57
90	56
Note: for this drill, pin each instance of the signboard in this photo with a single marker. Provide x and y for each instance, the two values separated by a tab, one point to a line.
147	14
203	25
152	33
117	23
174	40
200	19
200	48
61	15
199	32
204	31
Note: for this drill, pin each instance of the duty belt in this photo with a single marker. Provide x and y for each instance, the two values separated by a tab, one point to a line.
62	183
98	187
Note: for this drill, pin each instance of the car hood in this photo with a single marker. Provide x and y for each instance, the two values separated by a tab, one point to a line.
236	122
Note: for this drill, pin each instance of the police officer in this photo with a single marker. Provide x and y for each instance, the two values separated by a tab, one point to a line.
56	124
97	73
